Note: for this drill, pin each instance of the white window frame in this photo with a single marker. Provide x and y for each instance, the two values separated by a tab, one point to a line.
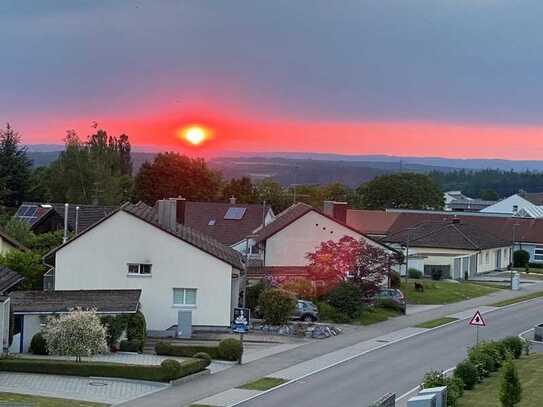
185	305
140	269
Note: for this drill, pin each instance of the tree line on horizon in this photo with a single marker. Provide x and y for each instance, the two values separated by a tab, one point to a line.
98	170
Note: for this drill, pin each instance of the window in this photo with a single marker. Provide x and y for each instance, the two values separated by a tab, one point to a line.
480	258
487	257
139	269
211	222
515	208
184	296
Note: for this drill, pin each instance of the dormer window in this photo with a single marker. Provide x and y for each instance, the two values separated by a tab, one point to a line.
515	208
211	222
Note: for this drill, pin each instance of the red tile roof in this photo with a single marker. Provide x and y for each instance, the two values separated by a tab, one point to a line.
371	222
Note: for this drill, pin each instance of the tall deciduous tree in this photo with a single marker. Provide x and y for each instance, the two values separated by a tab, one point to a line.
273	194
242	189
95	171
15	168
172	175
402	190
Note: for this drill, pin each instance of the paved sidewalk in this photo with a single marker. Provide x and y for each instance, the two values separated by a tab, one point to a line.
238	375
96	390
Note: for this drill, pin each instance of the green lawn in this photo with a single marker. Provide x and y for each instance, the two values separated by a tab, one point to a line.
33	401
436	322
443	292
531	296
263	384
376	314
530	370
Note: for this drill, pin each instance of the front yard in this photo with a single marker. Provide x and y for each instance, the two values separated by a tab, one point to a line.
35	401
443	292
530	370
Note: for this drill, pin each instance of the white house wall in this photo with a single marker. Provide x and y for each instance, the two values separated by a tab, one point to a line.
98	260
289	246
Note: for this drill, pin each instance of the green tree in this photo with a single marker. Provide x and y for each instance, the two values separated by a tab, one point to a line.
43	243
19	230
95	171
242	189
273	194
510	389
488	195
15	168
171	175
28	264
401	190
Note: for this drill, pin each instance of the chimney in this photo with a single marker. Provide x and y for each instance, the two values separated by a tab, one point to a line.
337	210
232	200
167	213
180	205
456	220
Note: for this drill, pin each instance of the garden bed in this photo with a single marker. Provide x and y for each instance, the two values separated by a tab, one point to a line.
101	369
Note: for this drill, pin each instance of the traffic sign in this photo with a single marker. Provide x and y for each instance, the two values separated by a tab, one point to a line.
477	320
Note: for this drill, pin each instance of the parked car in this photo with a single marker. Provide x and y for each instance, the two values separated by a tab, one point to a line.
306	311
388	297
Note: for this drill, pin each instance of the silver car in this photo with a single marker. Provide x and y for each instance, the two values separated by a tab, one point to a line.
306	311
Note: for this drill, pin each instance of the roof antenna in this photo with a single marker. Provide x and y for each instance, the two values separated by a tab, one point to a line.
65	237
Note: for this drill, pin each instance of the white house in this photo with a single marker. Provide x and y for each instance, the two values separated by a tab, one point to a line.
280	248
523	205
456	249
175	267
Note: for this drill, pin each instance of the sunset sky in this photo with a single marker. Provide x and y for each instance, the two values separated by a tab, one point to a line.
454	78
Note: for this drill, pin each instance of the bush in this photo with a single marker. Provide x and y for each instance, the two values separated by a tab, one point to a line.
202	355
253	294
329	313
130	346
172	368
467	372
115	326
276	305
394	279
521	258
483	361
136	328
436	274
38	345
414	273
455	386
510	390
100	369
514	345
187	351
230	349
346	299
535	265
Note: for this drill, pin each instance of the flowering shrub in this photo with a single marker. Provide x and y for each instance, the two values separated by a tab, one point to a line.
78	333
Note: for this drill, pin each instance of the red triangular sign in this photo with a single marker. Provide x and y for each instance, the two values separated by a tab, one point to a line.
477	320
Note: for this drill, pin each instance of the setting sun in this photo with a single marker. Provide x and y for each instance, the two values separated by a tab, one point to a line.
195	134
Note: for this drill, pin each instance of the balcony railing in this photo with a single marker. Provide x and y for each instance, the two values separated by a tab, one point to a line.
49	280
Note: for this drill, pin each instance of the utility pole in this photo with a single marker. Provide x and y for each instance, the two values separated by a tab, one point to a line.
512	254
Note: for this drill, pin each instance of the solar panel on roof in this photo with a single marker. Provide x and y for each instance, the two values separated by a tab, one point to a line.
235	213
31	211
22	210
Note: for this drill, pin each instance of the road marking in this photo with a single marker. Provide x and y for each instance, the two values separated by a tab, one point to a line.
378	348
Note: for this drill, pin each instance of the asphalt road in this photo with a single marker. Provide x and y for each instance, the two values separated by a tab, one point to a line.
398	367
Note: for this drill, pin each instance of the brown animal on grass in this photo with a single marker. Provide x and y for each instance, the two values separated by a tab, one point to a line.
419	287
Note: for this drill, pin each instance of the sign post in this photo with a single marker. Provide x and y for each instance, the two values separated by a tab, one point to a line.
477	321
240	325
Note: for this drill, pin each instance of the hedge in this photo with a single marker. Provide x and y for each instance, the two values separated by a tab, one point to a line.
228	349
101	369
130	346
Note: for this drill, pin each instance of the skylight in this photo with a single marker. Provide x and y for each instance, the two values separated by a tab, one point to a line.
235	213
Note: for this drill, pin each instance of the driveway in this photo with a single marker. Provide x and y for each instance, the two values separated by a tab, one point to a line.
98	390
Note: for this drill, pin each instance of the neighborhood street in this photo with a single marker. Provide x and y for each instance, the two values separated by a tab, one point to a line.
400	366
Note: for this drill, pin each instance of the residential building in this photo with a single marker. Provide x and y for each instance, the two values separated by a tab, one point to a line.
458	250
523	204
457	201
230	223
144	248
280	248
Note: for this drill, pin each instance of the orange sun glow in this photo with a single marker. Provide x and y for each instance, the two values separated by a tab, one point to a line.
195	135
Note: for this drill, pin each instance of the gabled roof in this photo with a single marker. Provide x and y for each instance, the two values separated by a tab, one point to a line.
447	235
60	301
371	222
188	235
8	279
295	212
209	218
12	241
88	214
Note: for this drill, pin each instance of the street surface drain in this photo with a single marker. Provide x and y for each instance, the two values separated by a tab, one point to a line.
97	384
